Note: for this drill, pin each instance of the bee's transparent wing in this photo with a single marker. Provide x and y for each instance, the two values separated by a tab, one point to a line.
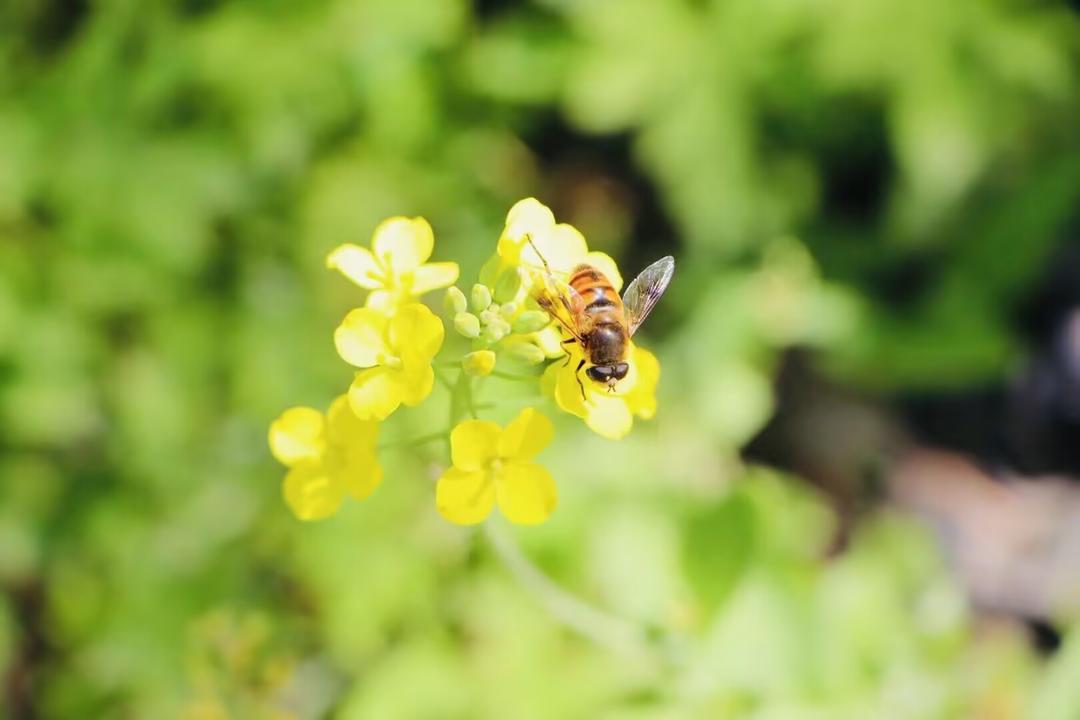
642	294
558	300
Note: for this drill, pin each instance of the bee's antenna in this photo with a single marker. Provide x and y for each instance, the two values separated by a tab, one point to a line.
528	239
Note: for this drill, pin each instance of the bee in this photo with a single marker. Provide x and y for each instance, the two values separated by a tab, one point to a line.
600	321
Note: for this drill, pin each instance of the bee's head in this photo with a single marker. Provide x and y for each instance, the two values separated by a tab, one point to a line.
608	374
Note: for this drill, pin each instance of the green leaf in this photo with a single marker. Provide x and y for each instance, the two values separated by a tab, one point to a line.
718	545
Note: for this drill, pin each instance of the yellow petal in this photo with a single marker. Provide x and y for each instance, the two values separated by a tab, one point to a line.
561	380
416	333
416	386
433	276
528	216
345	429
359	474
361	337
526	493
310	493
529	433
463	497
474	443
374	394
563	247
403	244
605	264
357	264
382	302
508	251
608	416
298	434
642	398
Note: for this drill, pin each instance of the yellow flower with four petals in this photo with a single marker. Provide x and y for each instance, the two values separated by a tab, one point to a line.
396	270
493	466
328	456
396	354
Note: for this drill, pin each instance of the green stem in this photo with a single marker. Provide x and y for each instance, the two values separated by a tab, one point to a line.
469	402
413	442
592	623
512	376
444	382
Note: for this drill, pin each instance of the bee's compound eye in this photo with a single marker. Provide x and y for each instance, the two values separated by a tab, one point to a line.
599	373
619	370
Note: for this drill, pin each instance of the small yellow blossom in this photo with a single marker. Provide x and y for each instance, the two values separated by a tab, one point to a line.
561	245
610	414
396	353
493	465
479	363
327	456
397	272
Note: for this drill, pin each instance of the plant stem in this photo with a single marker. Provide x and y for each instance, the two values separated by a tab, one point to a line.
413	442
512	376
592	623
443	381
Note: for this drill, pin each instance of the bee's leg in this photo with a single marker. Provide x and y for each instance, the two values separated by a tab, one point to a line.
577	376
568	341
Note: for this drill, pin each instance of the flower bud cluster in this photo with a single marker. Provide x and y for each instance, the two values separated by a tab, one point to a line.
508	327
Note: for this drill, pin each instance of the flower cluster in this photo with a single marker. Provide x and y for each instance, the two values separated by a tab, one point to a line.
400	350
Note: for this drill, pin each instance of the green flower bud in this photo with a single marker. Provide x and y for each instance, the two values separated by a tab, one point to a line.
506	287
467	324
526	352
491	269
479	363
454	302
489	316
480	297
508	311
496	330
531	321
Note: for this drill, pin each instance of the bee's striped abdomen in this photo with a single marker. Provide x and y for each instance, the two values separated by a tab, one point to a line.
596	294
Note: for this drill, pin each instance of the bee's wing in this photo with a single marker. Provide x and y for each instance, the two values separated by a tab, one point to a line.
558	300
642	294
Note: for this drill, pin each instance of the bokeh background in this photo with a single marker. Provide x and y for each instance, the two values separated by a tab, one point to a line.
858	500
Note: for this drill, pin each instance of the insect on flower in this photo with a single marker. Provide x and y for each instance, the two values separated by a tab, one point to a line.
601	322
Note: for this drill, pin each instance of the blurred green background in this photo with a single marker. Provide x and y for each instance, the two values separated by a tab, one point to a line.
882	191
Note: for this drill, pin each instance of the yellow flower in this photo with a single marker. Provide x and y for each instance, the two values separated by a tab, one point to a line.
397	272
493	465
561	244
610	414
396	352
327	456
